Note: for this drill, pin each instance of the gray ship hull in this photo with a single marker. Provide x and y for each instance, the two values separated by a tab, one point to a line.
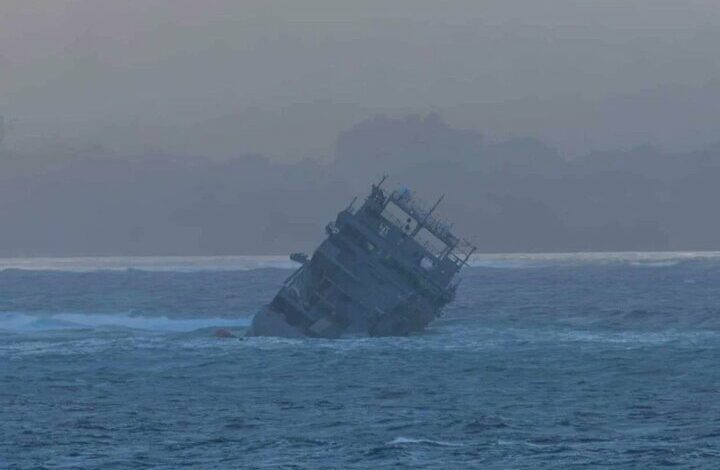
268	322
384	269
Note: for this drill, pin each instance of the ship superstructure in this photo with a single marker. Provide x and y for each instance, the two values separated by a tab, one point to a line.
387	267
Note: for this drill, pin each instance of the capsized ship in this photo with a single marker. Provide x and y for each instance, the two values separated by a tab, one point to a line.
386	268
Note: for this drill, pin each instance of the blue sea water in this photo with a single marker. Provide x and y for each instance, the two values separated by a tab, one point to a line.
575	361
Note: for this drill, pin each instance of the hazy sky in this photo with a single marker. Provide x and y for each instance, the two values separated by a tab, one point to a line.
283	78
106	101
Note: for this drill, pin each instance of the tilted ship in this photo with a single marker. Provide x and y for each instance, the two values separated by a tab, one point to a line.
386	268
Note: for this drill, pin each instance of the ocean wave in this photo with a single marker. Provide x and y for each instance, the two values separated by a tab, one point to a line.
639	259
399	441
655	264
248	263
22	322
148	263
636	337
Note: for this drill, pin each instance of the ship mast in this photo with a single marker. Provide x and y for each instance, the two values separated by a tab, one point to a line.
427	216
382	180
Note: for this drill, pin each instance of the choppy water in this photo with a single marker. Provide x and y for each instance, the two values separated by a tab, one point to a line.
542	362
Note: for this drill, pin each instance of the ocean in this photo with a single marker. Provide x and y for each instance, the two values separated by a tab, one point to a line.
543	361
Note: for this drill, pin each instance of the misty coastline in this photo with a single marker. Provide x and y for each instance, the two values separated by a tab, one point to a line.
517	195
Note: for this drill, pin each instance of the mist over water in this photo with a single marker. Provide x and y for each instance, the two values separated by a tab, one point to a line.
543	361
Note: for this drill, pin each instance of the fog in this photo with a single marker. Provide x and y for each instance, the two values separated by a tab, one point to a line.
217	127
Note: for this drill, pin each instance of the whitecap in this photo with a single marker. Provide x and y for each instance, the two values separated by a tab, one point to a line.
398	441
149	263
22	322
251	262
644	259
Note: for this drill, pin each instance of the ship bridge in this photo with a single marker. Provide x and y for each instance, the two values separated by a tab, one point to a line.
416	220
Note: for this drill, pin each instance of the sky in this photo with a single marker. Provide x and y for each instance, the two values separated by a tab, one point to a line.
221	78
174	127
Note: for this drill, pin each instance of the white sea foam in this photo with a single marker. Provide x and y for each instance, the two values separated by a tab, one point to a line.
21	322
641	259
410	441
246	263
149	263
636	337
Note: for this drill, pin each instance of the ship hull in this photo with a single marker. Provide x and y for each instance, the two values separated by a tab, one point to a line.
268	322
384	270
361	302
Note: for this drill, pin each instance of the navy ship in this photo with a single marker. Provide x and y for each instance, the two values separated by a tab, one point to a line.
386	268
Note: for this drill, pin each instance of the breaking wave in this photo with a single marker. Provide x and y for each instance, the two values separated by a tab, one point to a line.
248	263
400	441
639	259
21	322
149	263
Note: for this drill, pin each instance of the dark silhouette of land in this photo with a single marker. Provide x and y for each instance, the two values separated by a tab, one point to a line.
517	195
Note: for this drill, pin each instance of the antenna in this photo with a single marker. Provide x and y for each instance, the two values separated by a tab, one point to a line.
469	255
434	207
427	216
382	180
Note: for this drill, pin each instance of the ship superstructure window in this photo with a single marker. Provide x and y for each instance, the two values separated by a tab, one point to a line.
430	241
397	216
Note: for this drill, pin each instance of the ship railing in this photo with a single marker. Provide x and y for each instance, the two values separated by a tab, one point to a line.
419	210
437	253
461	253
